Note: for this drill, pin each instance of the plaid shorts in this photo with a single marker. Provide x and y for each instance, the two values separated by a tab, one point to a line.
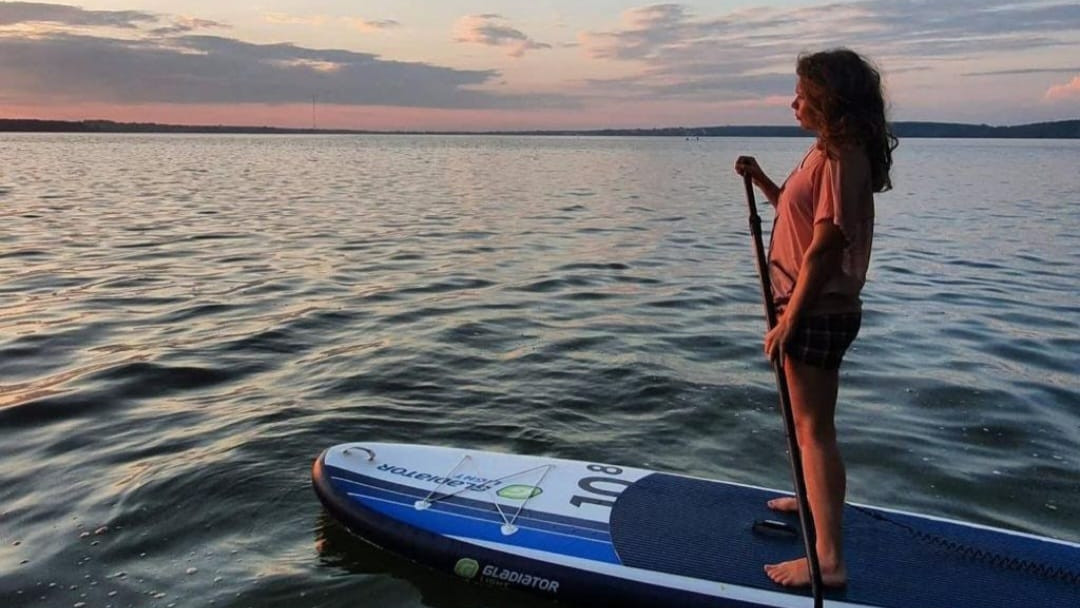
822	340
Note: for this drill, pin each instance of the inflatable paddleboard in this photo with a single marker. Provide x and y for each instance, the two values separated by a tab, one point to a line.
598	533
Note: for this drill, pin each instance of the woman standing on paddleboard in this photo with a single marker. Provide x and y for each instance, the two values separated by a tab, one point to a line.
818	256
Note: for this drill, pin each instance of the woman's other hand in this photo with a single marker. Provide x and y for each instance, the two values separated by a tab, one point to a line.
777	337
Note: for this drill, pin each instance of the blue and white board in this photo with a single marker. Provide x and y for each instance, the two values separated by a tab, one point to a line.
593	532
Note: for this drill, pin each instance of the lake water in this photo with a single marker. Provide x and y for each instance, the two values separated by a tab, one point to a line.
186	321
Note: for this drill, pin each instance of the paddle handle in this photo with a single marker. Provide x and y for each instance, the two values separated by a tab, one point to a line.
806	518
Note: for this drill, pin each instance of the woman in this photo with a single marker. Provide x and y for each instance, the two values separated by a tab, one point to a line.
818	255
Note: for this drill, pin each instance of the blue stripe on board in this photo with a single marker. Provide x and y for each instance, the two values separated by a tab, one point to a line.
480	523
460	500
484	512
452	524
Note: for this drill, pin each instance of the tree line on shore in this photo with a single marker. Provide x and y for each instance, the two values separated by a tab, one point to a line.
1061	129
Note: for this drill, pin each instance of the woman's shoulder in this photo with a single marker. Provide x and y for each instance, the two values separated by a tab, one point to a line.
846	152
849	157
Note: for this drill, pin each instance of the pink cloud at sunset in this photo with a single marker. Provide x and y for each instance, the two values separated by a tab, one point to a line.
1068	90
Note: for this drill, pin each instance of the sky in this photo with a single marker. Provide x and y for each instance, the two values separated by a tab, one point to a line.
528	64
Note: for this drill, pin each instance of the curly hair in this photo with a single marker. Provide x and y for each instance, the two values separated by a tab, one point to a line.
845	100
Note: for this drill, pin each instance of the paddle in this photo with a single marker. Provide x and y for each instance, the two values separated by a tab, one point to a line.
805	517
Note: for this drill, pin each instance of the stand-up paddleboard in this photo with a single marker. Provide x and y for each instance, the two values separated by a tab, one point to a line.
621	536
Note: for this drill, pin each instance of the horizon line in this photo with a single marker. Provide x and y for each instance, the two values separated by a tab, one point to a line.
681	130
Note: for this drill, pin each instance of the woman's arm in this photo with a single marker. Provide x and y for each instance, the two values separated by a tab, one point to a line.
821	256
748	165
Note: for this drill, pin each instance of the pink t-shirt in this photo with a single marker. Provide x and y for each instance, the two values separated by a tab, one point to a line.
823	189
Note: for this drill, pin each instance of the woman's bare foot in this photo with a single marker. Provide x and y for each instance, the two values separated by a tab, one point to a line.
796	573
787	504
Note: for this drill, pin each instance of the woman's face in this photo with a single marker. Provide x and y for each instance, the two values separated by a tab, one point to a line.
803	114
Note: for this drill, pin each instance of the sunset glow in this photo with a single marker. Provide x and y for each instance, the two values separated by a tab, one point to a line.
515	65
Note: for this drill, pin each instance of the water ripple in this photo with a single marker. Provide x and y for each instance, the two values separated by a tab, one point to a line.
185	321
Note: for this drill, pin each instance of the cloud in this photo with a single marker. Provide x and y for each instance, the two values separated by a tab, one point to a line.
12	13
644	31
184	25
160	60
365	25
287	19
1068	90
1024	71
65	16
752	51
715	87
194	69
917	28
491	30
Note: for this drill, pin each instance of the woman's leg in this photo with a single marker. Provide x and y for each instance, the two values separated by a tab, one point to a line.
813	393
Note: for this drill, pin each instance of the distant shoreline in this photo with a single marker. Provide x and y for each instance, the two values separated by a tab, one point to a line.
1062	129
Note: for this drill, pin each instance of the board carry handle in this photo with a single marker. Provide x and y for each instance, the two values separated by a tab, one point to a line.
369	453
773	527
806	519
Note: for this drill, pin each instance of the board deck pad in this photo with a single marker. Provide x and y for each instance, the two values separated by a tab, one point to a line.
893	559
582	531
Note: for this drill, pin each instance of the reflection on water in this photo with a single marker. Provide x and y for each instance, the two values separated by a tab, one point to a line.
186	321
411	584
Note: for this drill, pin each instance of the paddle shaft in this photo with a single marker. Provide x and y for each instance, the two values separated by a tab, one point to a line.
805	516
